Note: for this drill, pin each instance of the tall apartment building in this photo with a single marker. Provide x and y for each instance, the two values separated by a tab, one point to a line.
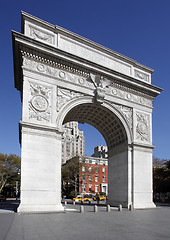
100	152
72	142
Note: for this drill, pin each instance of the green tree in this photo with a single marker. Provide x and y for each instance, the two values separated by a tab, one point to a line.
161	175
9	170
70	175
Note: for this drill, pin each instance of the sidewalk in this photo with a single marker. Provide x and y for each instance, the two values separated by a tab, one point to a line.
151	224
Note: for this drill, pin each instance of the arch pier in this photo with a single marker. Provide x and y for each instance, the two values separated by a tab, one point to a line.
64	77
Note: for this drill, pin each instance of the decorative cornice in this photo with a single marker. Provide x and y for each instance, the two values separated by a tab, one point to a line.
71	73
57	63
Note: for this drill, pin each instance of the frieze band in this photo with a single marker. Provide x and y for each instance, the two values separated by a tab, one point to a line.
67	74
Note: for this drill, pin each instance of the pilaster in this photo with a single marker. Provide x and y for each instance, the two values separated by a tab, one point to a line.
142	176
40	168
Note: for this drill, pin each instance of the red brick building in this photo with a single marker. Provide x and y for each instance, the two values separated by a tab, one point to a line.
93	175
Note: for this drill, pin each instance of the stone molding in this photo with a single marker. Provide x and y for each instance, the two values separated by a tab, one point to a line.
142	147
40	130
129	94
50	66
131	147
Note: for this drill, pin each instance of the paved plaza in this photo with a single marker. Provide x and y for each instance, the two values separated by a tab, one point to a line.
138	224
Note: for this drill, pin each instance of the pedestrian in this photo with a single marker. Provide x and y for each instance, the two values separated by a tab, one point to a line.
98	199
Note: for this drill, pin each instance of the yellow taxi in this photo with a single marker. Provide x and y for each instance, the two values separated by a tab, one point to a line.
78	198
101	198
82	199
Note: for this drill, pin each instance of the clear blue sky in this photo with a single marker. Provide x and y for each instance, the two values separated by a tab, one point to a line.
137	29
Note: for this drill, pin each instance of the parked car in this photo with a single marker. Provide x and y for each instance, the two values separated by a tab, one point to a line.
78	198
87	198
2	198
82	199
101	198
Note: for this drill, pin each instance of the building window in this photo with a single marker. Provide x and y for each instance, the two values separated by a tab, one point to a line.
90	178
90	169
90	161
83	189
103	169
90	188
96	178
83	177
83	169
104	178
96	169
96	188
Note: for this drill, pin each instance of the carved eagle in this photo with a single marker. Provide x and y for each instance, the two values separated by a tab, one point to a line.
99	81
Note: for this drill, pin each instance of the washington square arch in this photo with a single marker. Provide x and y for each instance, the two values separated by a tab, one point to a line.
64	77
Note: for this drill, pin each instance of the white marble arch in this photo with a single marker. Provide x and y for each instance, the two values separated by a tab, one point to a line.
64	77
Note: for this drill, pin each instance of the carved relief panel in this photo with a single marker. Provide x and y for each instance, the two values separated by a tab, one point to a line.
142	127
41	34
39	103
127	113
64	96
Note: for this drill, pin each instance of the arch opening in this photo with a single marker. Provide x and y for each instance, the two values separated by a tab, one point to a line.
116	137
105	121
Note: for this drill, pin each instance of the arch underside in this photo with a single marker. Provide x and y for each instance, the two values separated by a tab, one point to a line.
105	121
